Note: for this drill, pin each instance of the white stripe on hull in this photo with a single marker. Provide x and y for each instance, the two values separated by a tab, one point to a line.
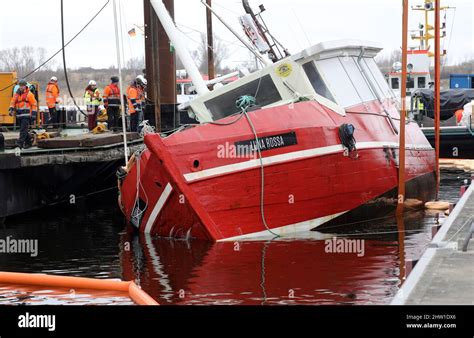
297	155
158	207
285	230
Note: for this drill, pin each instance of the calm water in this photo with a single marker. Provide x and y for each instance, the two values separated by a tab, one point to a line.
91	240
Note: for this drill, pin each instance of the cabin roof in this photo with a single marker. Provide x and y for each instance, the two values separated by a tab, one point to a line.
347	47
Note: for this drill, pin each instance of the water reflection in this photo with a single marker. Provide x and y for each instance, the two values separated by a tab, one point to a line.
91	240
281	271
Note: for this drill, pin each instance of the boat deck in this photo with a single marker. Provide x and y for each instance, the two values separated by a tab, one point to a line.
70	147
443	275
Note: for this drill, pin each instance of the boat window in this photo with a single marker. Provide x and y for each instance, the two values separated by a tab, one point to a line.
376	77
345	81
395	83
263	89
360	82
410	83
338	82
317	81
421	82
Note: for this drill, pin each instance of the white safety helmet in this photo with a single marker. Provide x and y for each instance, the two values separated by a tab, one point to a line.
54	79
141	80
92	83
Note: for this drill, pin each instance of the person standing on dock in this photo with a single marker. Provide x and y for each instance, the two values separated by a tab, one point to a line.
136	100
52	99
26	107
92	100
112	103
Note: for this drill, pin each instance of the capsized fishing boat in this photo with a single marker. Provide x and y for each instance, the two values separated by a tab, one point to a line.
305	140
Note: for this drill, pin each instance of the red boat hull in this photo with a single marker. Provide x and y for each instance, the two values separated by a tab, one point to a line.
187	188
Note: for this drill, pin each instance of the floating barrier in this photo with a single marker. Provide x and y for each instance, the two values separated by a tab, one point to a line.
414	204
438	205
466	165
137	295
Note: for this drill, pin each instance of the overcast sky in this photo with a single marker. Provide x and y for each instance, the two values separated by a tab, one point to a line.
297	24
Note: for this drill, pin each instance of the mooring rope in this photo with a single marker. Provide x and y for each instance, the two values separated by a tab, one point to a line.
244	103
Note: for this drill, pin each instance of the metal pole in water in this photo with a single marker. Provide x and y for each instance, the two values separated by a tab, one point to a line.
119	65
403	113
437	105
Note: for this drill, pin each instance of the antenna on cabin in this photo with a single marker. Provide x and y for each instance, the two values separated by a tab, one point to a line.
258	33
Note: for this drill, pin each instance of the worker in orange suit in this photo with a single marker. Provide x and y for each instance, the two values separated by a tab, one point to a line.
52	99
26	108
112	103
136	101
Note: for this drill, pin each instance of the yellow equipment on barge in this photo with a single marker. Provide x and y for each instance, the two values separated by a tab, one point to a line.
8	81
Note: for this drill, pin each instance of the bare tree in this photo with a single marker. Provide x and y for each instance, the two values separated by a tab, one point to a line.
252	64
221	52
22	60
136	64
41	57
386	62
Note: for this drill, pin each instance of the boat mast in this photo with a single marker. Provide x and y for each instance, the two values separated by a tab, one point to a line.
264	61
273	45
425	34
180	45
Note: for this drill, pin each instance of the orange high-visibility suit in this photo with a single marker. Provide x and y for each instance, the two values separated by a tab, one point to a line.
52	98
24	103
135	98
52	94
26	107
112	102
